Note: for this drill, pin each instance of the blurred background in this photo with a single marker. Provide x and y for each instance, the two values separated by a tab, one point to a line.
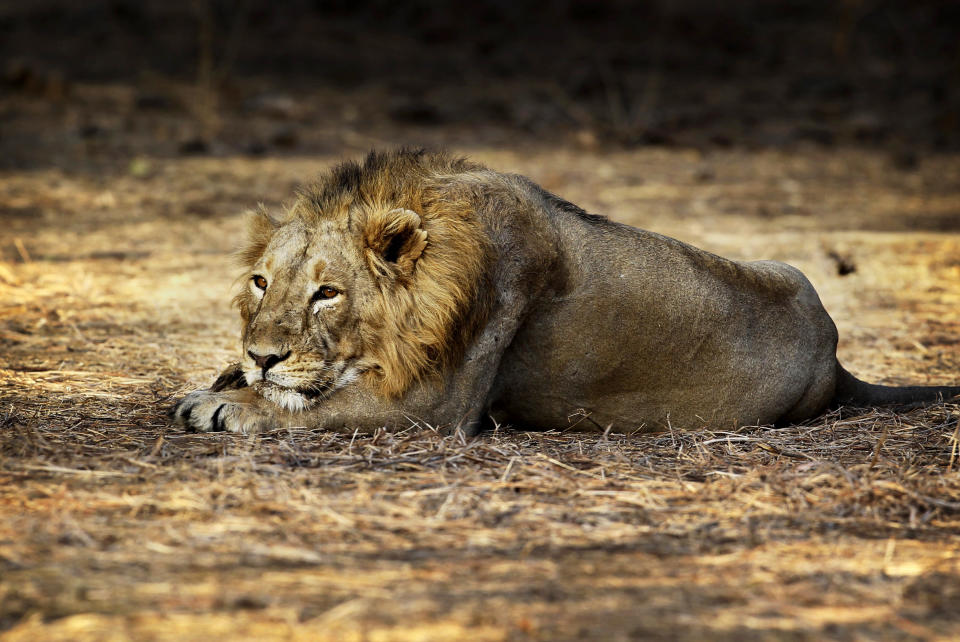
108	80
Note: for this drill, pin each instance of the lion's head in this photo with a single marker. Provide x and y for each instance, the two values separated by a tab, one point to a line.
378	271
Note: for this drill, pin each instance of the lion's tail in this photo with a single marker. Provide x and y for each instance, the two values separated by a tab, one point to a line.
851	391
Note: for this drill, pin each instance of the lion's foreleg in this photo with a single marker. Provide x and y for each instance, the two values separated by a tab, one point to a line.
467	395
238	410
232	378
227	405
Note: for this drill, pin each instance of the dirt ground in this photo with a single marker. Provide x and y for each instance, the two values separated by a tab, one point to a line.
121	200
115	290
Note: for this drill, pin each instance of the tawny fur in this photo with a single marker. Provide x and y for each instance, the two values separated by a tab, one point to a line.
434	299
461	294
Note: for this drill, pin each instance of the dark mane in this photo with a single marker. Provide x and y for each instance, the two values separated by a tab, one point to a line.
566	206
382	175
421	323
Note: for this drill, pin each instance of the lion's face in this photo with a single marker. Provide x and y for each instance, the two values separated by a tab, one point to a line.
314	301
375	275
302	337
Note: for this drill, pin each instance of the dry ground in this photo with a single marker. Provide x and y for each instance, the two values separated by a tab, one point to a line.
113	525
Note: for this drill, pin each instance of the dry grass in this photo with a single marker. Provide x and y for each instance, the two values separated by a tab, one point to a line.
113	525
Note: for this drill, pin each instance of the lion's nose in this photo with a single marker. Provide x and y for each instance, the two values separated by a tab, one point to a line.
267	361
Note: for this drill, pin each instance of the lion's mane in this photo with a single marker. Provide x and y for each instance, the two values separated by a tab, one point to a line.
429	310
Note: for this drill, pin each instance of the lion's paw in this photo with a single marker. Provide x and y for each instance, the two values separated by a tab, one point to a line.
208	411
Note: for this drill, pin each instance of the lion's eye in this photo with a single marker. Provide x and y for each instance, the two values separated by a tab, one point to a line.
259	281
326	292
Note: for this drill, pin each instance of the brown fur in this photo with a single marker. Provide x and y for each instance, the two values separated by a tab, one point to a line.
260	227
470	294
435	297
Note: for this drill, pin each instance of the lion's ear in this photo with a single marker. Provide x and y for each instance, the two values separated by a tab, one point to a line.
394	241
260	227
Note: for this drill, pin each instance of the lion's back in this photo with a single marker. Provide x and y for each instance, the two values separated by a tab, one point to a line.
645	330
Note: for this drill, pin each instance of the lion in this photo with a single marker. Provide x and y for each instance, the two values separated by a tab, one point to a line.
417	287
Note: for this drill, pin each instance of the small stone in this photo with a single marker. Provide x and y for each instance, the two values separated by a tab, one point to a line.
194	147
906	160
285	137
